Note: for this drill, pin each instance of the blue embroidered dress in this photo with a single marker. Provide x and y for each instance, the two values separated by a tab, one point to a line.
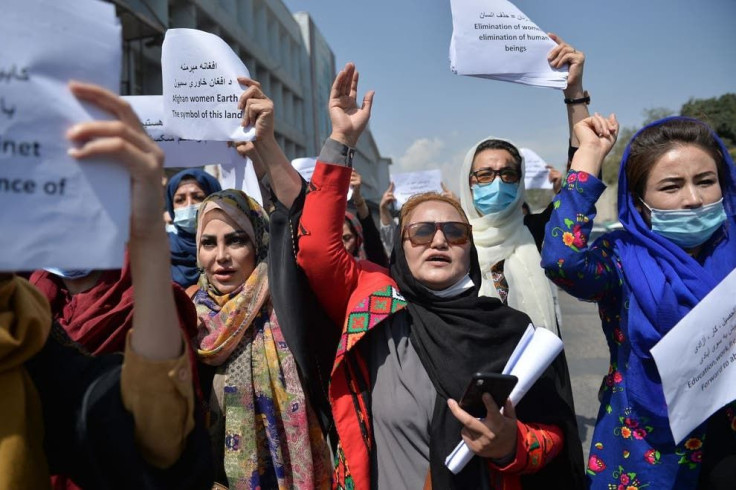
629	449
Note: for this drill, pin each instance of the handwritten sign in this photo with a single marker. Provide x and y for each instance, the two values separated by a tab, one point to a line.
239	173
409	183
536	173
305	167
179	152
200	87
494	39
697	360
55	206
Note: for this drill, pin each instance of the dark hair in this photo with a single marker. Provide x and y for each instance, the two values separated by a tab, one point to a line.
499	145
656	140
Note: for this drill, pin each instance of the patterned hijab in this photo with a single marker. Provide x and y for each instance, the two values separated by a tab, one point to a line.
665	281
268	435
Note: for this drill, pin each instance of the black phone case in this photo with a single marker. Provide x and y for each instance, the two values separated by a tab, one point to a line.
499	386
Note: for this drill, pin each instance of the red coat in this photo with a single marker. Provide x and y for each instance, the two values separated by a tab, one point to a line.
359	295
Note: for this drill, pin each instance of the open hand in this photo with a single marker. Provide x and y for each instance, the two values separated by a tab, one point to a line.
348	120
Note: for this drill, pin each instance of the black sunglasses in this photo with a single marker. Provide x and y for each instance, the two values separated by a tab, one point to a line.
422	233
485	176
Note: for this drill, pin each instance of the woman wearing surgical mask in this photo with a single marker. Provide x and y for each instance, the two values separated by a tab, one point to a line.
184	193
676	201
492	196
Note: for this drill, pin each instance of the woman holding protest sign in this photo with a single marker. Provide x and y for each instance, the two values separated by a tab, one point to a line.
103	425
677	201
265	431
492	193
412	336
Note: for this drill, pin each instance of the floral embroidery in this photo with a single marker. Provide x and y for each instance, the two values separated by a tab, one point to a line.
613	379
652	456
632	428
626	481
691	453
618	336
573	180
595	465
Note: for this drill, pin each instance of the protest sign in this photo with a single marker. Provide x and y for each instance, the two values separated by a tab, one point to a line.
305	167
534	353
696	360
536	173
54	205
199	72
179	152
239	173
494	39
409	183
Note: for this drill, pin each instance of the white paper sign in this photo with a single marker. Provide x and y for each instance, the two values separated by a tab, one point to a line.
58	212
199	72
494	39
409	183
697	360
305	167
240	174
179	152
536	173
534	353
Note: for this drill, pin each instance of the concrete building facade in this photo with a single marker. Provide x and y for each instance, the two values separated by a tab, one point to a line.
286	53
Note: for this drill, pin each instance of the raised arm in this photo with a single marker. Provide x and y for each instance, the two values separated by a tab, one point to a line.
585	272
561	55
331	270
156	377
258	110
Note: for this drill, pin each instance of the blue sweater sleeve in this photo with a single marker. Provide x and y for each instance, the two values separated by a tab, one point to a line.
588	273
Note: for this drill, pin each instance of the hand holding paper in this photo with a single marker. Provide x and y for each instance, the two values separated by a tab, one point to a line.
532	356
200	73
494	39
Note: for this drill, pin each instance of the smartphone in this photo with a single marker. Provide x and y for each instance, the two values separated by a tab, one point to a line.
499	386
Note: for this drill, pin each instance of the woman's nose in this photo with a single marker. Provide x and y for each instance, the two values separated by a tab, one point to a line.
693	198
439	240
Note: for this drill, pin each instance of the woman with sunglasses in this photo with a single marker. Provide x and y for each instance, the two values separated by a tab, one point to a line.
412	337
676	201
492	194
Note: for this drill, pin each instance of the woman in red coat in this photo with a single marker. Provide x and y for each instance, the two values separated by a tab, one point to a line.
411	338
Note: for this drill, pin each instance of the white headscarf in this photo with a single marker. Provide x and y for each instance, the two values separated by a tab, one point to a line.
503	236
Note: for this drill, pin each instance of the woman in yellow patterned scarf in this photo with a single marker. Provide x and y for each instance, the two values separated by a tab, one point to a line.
263	429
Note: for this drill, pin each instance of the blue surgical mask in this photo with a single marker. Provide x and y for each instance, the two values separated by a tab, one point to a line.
494	197
69	274
688	228
186	218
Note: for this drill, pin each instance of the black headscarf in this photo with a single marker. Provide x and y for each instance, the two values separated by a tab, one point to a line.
458	336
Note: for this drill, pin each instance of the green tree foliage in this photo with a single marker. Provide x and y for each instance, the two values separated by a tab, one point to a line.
719	113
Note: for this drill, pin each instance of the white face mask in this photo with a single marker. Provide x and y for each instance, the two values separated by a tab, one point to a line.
186	218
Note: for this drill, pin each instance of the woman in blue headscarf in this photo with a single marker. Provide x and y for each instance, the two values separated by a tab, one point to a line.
184	193
677	201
